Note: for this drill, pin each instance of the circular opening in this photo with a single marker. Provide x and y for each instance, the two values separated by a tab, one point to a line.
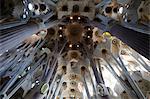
72	90
73	83
115	10
108	9
123	52
140	81
104	51
73	76
35	6
71	63
114	41
64	67
64	83
124	91
141	10
83	68
42	7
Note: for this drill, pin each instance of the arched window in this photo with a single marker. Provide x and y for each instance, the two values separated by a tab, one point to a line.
75	9
64	8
